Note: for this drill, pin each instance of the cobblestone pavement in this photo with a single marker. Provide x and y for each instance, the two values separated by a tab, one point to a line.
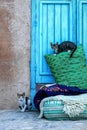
16	120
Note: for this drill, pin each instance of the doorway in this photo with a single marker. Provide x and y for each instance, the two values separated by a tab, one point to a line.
54	21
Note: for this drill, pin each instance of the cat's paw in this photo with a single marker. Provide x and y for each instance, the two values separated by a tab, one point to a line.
22	110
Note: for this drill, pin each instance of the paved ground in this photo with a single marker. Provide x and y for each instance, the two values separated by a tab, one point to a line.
15	120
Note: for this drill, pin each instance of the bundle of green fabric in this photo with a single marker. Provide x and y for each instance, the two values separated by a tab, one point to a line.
69	71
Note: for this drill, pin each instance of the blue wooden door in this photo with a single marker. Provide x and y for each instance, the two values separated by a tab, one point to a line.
82	24
52	21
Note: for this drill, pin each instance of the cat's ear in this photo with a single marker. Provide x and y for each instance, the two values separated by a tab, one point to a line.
23	94
17	94
56	42
51	43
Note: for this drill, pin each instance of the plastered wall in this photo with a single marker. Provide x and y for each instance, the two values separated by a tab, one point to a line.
14	51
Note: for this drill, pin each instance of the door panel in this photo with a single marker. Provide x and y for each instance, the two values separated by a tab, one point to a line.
82	24
52	21
55	22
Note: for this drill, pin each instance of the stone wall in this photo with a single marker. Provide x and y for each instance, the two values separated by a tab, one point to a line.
14	51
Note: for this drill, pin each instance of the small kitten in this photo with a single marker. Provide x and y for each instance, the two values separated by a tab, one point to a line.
24	102
64	46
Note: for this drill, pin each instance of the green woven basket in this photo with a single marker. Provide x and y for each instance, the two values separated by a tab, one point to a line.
69	71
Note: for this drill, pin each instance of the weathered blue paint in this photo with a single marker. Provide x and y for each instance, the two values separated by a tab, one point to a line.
33	52
82	23
55	23
52	21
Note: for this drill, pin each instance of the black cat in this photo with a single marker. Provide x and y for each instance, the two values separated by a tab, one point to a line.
64	46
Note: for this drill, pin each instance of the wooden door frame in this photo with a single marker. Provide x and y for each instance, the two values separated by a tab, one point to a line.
33	51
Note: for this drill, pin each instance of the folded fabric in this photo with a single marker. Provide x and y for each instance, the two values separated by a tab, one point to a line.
54	90
73	105
64	107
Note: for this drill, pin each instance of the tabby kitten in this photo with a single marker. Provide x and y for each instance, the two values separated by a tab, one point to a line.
24	102
64	46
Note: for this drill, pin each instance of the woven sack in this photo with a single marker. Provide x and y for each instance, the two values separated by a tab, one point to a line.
69	71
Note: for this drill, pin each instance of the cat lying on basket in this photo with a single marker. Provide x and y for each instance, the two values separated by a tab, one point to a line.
24	102
64	46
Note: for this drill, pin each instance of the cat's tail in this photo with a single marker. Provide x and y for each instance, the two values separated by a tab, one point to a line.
73	51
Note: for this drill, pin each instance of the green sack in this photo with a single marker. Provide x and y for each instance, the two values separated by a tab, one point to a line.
69	71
